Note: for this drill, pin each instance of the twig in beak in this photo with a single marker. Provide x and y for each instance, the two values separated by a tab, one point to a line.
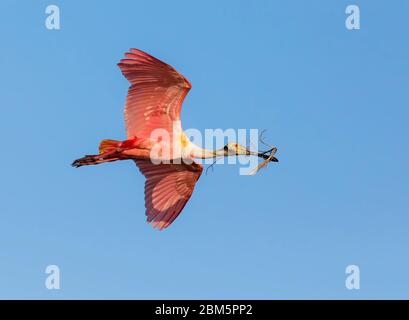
260	138
271	152
211	166
264	163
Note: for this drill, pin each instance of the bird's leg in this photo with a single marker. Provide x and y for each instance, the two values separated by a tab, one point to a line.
93	159
110	150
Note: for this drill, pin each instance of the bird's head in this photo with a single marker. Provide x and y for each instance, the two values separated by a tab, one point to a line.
235	149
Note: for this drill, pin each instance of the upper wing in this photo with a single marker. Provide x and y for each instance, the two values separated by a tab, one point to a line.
168	187
156	94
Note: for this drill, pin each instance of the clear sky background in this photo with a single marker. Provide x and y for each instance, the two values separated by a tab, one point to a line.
335	102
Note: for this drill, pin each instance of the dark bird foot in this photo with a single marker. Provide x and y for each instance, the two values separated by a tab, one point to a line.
85	161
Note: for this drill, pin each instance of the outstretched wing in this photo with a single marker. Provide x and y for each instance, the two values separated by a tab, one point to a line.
168	187
155	96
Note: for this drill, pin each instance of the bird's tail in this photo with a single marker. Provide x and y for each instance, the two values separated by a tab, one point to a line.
107	153
108	145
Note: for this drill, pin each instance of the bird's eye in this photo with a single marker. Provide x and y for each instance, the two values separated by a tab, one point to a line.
226	148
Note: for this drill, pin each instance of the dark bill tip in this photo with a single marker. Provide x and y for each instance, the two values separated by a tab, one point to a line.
266	156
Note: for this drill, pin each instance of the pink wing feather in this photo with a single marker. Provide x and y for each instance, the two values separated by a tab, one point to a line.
154	101
168	187
156	94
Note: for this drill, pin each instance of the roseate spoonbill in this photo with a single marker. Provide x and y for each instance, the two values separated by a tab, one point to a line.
154	101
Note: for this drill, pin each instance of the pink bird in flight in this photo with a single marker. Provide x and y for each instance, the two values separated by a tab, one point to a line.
153	103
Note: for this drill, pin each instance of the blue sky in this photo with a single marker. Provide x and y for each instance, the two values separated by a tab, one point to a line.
335	103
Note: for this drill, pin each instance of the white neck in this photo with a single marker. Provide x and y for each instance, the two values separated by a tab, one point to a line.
200	153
